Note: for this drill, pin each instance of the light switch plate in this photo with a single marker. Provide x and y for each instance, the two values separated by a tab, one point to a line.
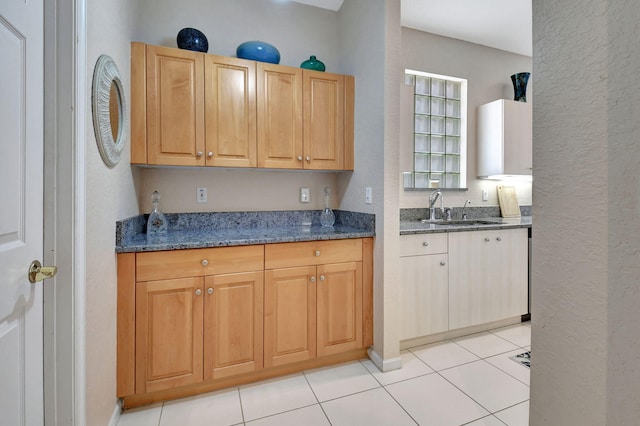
201	195
304	195
368	195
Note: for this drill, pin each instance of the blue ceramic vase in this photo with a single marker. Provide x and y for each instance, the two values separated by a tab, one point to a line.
258	51
192	39
313	64
519	81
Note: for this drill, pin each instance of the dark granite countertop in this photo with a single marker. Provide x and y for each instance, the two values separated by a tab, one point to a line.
203	230
417	227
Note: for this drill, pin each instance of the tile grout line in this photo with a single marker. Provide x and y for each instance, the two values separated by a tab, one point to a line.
304	374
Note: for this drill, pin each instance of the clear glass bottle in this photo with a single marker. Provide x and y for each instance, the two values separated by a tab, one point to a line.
327	218
157	223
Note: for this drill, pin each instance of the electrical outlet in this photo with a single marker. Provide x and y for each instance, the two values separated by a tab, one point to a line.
368	195
304	195
201	195
485	195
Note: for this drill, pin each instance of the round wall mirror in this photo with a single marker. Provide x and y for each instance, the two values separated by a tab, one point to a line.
109	110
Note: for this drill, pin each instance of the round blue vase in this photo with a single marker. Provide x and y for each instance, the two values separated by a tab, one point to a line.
258	51
192	39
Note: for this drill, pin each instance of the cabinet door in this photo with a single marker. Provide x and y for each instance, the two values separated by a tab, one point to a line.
518	138
168	333
323	97
279	101
290	315
230	90
233	316
175	107
488	276
339	304
424	307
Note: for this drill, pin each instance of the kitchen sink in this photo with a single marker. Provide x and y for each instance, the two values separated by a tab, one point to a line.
468	222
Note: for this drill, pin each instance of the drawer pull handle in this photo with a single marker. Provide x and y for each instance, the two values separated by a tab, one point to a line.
199	154
499	238
299	157
205	262
210	290
312	279
308	159
321	277
198	292
317	253
487	239
210	154
425	243
442	263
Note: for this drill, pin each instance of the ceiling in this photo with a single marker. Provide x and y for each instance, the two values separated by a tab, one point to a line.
501	24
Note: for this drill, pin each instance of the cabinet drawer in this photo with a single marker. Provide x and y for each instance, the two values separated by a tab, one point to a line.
418	244
312	253
198	262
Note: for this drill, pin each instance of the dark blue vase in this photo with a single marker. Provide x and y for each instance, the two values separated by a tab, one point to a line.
258	51
519	81
192	39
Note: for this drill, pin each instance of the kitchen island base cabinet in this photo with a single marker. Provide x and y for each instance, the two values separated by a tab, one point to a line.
193	321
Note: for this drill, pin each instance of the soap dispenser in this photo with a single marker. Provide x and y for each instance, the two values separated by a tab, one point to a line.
327	218
157	223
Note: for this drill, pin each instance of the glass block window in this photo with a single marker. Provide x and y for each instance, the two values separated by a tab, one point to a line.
440	131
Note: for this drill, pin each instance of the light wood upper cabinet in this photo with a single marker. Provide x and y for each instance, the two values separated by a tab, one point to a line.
172	106
326	142
168	333
194	109
232	324
230	110
279	116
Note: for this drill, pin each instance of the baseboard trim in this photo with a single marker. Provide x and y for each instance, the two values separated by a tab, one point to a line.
384	365
117	413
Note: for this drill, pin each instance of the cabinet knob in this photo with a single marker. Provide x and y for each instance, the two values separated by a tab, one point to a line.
299	157
198	292
317	253
210	290
321	277
312	279
199	154
210	154
442	263
308	158
424	243
204	262
487	239
499	239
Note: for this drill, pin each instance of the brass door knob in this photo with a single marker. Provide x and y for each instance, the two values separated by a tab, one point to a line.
37	272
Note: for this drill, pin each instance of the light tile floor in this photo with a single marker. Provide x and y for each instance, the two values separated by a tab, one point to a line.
465	381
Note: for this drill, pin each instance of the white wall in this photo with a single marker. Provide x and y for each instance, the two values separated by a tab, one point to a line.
488	72
587	214
369	49
110	196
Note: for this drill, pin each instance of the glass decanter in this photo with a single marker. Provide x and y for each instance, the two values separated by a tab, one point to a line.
157	223
327	218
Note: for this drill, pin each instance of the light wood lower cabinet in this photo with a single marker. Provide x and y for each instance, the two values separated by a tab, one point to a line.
488	276
191	321
312	308
461	279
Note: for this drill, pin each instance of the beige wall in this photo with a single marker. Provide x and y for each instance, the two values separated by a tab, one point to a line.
110	195
587	214
488	72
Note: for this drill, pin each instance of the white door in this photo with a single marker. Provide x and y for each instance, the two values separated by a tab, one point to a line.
21	210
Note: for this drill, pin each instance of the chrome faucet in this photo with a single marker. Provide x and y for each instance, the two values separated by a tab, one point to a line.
433	197
464	215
